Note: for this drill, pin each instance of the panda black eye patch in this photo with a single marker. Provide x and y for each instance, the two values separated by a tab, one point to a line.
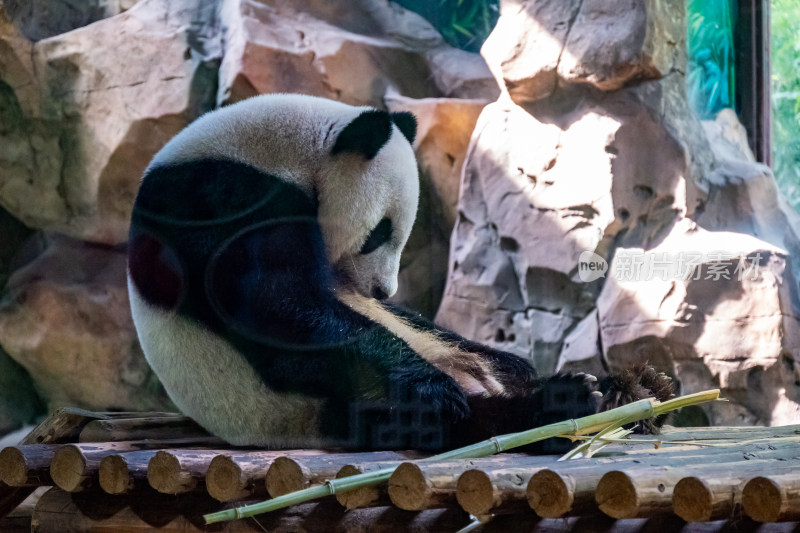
378	236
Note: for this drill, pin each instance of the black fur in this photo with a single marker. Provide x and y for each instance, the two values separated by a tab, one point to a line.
242	253
365	135
406	123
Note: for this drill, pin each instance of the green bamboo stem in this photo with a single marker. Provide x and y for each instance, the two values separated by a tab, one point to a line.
599	422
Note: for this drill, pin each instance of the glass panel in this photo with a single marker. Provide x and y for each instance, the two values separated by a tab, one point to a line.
785	64
709	44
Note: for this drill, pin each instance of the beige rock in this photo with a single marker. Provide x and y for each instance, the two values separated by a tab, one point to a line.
524	49
279	46
83	129
540	44
614	41
726	323
539	188
65	318
444	127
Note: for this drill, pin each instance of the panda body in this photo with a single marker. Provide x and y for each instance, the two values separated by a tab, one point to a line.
262	238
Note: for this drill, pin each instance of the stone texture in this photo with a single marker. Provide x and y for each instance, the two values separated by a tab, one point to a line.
65	318
39	19
354	54
443	133
81	130
711	326
538	44
541	185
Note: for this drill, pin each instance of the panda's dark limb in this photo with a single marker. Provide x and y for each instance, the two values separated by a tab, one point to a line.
636	383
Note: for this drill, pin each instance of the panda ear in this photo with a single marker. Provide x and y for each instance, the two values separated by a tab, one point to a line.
365	135
406	123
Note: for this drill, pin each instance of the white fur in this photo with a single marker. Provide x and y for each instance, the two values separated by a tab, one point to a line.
212	383
291	136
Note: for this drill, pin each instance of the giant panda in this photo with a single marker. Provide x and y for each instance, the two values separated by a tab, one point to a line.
264	241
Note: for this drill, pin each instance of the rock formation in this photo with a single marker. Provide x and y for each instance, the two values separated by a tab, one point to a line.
591	149
575	139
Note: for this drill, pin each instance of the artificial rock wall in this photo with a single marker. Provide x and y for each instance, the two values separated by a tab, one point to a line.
591	148
572	132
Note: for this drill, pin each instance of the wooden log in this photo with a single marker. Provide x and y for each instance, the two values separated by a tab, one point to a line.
725	433
59	512
63	425
696	499
120	473
773	498
27	465
554	494
238	476
374	496
179	471
155	428
637	493
498	484
422	485
414	487
299	471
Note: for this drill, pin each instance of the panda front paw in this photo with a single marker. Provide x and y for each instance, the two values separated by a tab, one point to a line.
634	384
566	396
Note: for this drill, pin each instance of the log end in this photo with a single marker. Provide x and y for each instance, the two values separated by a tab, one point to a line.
408	488
761	499
13	467
68	469
285	475
693	500
114	475
475	493
164	474
357	498
550	494
225	480
616	495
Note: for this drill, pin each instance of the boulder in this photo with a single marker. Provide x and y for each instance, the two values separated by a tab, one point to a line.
541	185
716	310
40	19
538	45
80	130
354	54
65	318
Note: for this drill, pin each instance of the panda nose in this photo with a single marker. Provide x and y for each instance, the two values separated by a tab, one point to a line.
379	294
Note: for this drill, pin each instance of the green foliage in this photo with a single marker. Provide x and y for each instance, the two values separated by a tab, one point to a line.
709	44
785	58
464	24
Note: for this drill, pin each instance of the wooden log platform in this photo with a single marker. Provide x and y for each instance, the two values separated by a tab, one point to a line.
167	481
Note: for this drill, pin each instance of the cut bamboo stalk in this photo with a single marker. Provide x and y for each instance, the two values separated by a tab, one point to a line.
554	494
289	474
420	485
237	476
123	472
773	498
27	465
372	496
155	428
179	471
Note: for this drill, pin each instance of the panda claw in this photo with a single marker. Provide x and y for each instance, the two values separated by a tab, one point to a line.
597	394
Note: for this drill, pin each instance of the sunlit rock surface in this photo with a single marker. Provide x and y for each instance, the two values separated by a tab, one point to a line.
592	149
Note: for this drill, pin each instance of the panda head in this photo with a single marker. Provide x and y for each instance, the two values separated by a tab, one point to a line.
368	200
